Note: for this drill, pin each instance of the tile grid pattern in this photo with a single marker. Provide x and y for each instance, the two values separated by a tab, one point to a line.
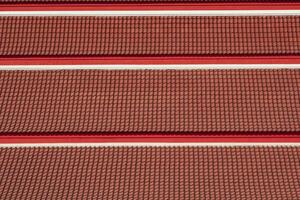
150	173
135	101
149	36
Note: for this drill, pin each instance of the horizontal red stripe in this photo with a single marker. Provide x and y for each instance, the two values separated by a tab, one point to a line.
149	6
151	138
150	60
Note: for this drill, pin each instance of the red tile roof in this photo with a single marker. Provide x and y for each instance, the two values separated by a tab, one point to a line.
186	101
150	173
127	36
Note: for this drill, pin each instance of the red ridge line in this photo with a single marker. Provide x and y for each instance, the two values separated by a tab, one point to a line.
47	60
152	139
148	6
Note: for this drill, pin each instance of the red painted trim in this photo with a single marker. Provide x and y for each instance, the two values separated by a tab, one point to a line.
151	139
151	60
148	6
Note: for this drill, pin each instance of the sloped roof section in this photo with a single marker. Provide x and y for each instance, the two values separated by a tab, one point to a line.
150	173
149	36
132	101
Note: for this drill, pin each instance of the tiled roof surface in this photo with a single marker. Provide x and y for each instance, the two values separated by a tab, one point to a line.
177	35
186	101
150	173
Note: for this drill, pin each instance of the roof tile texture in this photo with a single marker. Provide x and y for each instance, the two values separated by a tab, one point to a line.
128	101
239	173
146	36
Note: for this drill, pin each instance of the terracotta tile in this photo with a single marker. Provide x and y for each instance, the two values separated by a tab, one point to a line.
150	173
142	36
164	101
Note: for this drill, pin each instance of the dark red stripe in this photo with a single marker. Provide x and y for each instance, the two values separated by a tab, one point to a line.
155	138
157	60
141	1
150	6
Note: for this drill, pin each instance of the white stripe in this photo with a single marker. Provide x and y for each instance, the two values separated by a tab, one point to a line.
154	13
151	67
150	145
